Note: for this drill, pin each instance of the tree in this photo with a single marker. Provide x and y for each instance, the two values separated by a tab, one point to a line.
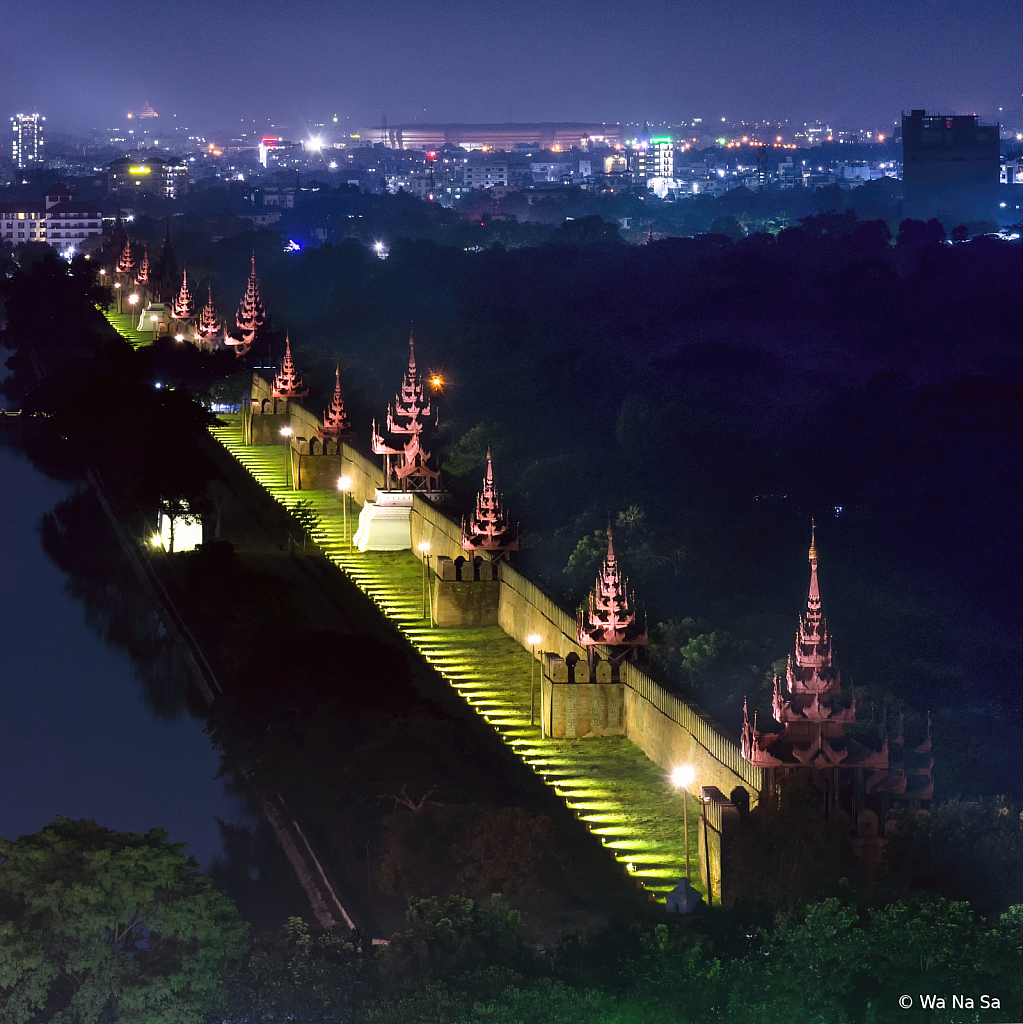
103	926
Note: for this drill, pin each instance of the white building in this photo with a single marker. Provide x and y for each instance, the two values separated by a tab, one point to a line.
486	175
58	220
27	146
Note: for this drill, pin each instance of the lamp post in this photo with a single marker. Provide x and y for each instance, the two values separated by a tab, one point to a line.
704	800
533	639
682	778
132	299
286	434
154	320
117	289
424	550
345	485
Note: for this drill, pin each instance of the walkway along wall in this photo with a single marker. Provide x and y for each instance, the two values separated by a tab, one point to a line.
669	730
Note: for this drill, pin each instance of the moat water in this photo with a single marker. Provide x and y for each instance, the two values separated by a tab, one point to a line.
79	734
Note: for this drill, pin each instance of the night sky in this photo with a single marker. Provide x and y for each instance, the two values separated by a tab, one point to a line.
214	62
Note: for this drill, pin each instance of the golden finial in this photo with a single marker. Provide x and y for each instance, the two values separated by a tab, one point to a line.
813	541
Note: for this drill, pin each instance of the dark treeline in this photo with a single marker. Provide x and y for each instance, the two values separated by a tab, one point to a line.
711	396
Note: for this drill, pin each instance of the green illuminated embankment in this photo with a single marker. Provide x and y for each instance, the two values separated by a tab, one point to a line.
621	796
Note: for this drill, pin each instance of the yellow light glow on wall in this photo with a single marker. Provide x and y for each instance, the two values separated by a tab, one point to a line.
140	170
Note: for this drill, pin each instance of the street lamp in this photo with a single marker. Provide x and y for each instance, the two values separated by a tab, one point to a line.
133	298
682	778
117	287
286	434
179	337
424	550
345	485
533	639
154	320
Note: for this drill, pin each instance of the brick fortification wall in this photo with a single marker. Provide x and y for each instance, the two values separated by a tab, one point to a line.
666	728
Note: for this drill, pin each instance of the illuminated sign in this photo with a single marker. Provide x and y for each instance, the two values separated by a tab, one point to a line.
140	170
663	138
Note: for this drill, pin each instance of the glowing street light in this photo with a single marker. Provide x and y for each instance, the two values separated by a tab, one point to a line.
682	778
117	287
424	550
179	337
286	434
533	639
133	298
344	485
154	320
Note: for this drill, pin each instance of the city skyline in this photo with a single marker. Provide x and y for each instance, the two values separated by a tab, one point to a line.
666	63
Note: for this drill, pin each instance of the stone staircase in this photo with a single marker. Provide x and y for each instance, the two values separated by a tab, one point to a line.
621	796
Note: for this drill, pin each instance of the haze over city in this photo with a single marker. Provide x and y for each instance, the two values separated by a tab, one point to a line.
214	64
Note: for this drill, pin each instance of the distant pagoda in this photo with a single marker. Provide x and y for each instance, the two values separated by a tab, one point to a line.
408	465
126	262
142	277
184	304
251	314
287	383
335	420
208	328
489	530
610	618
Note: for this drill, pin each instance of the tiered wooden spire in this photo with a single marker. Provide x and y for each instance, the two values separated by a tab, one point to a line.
251	313
489	530
142	277
184	304
287	383
809	705
209	325
408	417
335	421
610	618
126	262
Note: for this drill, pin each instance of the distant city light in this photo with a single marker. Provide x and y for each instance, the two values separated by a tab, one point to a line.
292	246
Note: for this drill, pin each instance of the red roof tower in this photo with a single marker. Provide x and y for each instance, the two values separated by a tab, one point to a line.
209	325
335	421
184	304
126	262
489	530
287	383
251	313
610	618
142	277
408	418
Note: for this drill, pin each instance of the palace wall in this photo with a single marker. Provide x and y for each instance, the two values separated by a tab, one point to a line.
666	728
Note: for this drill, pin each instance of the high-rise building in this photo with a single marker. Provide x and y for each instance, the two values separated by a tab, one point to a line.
27	147
950	167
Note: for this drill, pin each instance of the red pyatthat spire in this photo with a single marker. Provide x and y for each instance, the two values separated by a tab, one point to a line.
335	421
184	304
251	313
408	417
287	383
142	277
126	261
610	618
209	326
489	530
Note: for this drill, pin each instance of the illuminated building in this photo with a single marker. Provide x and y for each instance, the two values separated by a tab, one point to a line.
486	174
58	220
159	177
950	167
551	135
27	146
